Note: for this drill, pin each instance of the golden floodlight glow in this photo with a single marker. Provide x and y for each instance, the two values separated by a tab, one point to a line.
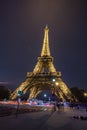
57	83
85	94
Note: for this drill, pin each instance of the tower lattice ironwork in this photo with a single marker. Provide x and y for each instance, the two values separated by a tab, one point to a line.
44	76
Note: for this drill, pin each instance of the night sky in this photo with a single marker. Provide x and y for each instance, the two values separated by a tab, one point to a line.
21	35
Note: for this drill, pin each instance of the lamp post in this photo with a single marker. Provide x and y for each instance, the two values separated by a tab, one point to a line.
45	96
18	101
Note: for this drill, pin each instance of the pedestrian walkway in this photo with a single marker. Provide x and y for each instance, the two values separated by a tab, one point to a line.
45	120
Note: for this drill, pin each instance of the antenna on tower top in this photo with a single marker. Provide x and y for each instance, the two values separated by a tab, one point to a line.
45	48
46	26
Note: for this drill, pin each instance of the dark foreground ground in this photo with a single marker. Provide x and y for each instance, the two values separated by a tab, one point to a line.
46	120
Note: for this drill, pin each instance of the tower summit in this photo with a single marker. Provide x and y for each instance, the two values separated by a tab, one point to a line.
42	76
45	49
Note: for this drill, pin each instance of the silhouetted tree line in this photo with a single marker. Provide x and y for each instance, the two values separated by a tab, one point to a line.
79	94
4	92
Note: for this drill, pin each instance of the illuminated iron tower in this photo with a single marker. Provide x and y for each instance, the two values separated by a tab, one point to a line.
44	76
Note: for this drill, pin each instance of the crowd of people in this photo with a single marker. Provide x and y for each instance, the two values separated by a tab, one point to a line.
58	106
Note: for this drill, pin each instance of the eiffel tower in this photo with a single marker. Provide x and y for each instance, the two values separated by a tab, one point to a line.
44	76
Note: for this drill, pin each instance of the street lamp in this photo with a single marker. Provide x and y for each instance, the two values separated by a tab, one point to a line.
18	100
45	95
20	93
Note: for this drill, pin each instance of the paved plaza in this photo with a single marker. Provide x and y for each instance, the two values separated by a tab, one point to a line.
45	120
